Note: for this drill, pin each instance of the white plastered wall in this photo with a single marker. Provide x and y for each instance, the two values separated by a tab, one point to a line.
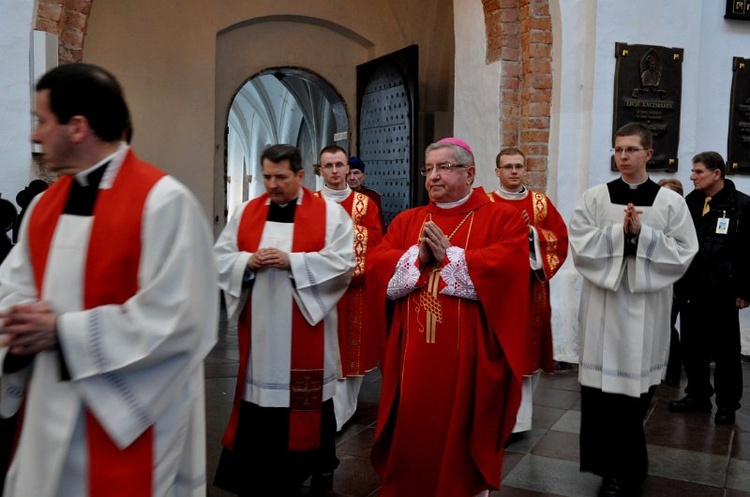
16	95
585	33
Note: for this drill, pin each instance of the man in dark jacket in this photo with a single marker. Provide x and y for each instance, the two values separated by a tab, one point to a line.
715	287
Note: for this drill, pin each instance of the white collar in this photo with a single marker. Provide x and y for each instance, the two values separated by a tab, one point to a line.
509	195
115	161
336	195
450	205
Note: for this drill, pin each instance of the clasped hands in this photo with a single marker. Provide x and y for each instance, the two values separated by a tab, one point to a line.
432	244
269	258
632	224
28	328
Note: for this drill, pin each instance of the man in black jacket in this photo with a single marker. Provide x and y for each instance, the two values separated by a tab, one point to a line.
715	287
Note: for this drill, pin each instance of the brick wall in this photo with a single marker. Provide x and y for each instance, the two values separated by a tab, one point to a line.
519	35
68	20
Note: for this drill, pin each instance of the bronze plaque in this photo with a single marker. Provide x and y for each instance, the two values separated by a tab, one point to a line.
648	90
738	149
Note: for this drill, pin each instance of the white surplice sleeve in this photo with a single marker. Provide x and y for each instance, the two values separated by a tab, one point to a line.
597	244
321	278
231	263
665	251
129	362
16	286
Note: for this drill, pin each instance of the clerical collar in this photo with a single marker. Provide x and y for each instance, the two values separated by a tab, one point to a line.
634	186
298	202
336	195
114	160
451	205
509	195
642	194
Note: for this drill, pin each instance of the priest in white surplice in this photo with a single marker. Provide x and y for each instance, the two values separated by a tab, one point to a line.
109	308
630	240
294	252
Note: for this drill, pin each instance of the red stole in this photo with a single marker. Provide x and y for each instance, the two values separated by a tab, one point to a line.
111	277
308	341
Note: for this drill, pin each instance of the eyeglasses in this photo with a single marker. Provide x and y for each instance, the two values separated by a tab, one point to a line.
440	168
511	167
627	151
337	165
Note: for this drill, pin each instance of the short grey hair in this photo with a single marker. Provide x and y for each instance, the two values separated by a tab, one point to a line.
460	154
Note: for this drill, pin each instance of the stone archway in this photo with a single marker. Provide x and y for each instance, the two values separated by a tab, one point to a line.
519	34
68	20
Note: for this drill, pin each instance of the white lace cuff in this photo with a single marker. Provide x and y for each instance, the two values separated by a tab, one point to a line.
405	276
456	275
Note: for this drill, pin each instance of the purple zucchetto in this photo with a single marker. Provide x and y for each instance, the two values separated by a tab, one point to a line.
458	142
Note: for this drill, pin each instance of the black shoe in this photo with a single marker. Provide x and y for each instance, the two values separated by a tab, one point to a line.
724	416
321	483
610	488
690	404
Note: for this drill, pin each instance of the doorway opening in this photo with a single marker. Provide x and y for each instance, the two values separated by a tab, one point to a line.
280	105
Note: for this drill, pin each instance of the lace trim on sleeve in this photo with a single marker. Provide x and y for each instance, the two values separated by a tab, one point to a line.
456	276
405	276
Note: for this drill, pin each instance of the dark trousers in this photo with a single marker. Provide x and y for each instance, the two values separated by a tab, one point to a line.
674	364
710	329
612	440
261	463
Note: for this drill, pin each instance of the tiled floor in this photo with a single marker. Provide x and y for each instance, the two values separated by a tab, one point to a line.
689	455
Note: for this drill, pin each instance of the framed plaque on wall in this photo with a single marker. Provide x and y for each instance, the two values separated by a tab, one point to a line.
738	9
648	90
738	147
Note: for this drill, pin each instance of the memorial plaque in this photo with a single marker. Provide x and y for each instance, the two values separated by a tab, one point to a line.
648	90
738	149
738	9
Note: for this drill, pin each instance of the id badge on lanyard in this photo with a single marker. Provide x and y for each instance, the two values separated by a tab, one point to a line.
722	224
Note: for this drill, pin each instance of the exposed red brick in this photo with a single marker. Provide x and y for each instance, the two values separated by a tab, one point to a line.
534	122
510	53
47	26
538	50
508	15
539	36
539	8
539	65
539	81
49	11
74	20
83	6
538	96
535	136
71	38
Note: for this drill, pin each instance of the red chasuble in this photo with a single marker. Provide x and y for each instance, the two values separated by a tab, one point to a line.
453	369
361	327
553	243
112	261
308	341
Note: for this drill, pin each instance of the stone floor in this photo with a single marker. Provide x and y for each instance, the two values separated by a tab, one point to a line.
689	455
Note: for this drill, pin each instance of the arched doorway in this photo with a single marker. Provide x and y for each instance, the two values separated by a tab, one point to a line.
280	105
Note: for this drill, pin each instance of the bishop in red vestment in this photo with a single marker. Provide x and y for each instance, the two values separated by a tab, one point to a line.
454	270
